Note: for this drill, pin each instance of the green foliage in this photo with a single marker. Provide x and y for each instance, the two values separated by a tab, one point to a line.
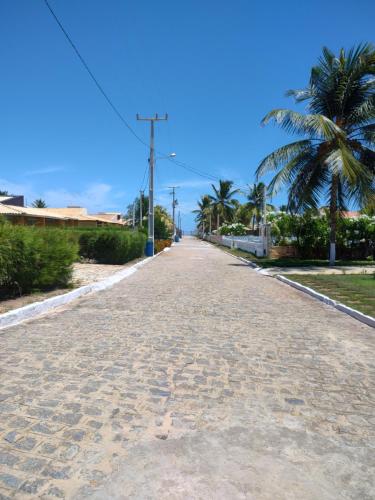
39	203
222	200
163	223
309	232
335	158
111	247
34	258
203	212
235	229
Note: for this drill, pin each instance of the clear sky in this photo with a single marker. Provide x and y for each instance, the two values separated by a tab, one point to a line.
217	67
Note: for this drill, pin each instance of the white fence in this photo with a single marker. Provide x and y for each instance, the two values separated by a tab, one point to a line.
253	244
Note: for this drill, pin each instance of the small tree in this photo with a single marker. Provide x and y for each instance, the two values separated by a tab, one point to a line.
223	202
39	203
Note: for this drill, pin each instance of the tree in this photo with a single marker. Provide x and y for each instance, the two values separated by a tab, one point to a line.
203	212
163	224
129	210
39	203
256	200
222	201
3	192
336	159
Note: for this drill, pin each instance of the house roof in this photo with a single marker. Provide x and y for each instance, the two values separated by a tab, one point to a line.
30	211
55	213
8	210
109	216
69	211
354	214
5	198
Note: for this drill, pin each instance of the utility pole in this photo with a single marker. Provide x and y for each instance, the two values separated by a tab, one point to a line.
151	161
174	203
140	207
133	216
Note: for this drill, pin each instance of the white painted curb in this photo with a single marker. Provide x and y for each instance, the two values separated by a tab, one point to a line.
368	320
36	309
248	262
251	264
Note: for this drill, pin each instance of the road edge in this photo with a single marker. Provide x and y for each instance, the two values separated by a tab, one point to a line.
36	309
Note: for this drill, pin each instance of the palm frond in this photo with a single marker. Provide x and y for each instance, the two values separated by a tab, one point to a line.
282	155
314	125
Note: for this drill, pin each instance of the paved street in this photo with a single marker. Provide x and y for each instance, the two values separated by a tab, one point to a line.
194	378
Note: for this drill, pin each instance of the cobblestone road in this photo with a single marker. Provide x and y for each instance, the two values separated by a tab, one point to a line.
195	377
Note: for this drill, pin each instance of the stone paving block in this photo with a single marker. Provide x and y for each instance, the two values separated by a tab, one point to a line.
33	464
33	487
10	481
8	458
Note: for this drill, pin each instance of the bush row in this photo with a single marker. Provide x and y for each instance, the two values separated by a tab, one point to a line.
310	234
111	247
34	258
161	244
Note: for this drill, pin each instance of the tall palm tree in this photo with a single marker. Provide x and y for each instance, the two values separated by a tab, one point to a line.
222	200
256	201
203	212
336	159
39	203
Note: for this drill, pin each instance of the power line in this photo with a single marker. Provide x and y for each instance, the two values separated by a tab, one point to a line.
114	108
92	76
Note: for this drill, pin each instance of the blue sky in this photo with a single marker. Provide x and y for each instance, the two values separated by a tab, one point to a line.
216	67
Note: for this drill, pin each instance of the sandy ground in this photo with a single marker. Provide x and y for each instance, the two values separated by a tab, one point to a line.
83	274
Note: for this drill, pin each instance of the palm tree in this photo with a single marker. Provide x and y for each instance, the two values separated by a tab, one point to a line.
256	201
336	159
39	203
203	212
222	201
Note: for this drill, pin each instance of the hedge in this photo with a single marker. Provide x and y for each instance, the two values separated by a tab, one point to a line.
310	234
111	247
34	259
161	244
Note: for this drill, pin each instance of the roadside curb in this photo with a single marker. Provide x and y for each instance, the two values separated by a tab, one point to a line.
368	320
251	264
36	309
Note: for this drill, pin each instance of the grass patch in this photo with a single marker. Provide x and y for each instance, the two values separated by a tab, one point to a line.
353	290
292	261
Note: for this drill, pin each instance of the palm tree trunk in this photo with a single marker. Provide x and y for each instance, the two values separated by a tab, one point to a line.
333	220
218	221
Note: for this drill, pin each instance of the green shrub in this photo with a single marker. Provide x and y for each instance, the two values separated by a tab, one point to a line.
235	229
111	247
34	258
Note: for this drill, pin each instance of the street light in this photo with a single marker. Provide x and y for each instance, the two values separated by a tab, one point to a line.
171	155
